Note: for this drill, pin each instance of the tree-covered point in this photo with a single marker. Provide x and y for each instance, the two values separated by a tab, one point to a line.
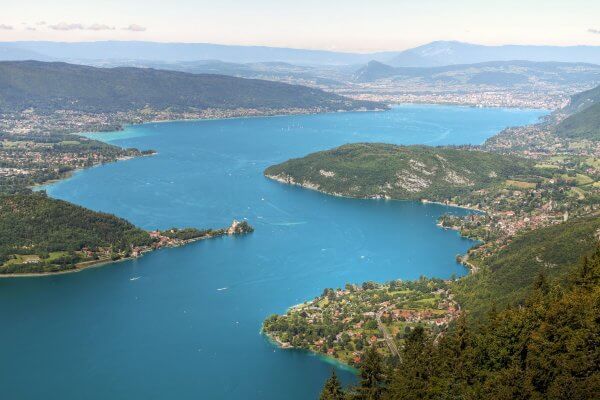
41	234
189	233
400	172
506	276
59	86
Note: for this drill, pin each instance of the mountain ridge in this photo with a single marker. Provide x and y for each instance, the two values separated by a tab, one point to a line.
431	54
54	86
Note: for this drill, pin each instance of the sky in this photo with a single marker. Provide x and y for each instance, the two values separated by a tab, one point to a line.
343	25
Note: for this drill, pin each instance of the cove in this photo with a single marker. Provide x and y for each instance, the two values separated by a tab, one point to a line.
188	328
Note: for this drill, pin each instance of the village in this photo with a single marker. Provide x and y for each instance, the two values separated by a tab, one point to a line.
341	323
565	187
36	147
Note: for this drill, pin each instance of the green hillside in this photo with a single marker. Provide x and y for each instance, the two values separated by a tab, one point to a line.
506	276
545	349
582	125
583	116
41	234
60	86
367	170
583	100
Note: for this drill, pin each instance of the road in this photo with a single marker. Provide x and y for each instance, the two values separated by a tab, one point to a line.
389	340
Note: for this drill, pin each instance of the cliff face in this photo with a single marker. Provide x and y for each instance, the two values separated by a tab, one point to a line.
239	228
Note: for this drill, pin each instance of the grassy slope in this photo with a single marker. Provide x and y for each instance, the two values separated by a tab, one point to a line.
506	277
400	172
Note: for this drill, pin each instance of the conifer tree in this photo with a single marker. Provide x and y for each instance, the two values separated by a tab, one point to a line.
372	377
332	389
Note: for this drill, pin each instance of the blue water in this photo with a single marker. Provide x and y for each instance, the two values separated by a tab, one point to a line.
172	333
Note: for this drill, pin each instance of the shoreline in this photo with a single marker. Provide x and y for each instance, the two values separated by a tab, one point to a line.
69	174
124	125
469	267
323	357
85	265
450	104
377	197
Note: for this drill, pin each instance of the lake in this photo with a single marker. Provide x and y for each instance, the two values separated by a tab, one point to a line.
189	327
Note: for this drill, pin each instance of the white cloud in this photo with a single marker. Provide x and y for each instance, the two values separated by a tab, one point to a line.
31	28
63	26
100	27
135	28
6	27
41	23
595	31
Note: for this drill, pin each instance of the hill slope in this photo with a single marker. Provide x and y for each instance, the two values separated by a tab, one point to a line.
583	100
49	232
583	120
506	277
398	172
582	125
60	86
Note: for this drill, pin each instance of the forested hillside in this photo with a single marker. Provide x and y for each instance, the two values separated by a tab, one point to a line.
584	124
546	349
59	86
41	234
505	277
399	172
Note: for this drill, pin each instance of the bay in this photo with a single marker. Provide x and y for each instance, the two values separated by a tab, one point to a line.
189	327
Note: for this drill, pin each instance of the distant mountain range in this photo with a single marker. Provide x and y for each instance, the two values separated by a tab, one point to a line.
60	86
179	52
433	54
495	73
451	52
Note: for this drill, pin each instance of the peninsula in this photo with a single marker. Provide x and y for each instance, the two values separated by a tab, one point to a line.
43	236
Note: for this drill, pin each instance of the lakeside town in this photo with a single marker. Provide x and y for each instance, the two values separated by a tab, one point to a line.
342	323
39	147
477	98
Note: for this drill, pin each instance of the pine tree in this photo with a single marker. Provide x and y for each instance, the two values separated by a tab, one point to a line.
372	377
332	389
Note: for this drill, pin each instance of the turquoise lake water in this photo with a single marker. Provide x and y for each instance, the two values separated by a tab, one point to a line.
188	328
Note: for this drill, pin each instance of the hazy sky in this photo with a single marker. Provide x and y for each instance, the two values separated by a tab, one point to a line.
348	25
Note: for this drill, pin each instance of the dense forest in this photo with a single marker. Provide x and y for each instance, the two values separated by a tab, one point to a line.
400	172
41	234
505	277
546	348
59	86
